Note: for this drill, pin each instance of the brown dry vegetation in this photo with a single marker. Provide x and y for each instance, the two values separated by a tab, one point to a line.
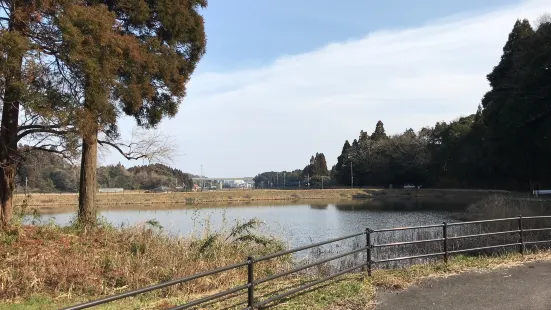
51	201
67	262
105	200
500	206
53	271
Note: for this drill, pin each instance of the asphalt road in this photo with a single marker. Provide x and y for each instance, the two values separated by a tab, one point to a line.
525	287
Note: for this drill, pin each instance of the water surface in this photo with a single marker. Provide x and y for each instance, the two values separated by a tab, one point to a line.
298	223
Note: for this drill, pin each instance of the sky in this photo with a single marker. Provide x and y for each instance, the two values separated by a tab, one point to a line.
284	79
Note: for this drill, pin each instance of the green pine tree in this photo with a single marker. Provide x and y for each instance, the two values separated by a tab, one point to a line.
379	133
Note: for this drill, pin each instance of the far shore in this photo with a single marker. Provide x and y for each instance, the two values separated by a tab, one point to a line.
53	201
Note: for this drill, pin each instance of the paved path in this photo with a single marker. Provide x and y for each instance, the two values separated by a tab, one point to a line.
525	287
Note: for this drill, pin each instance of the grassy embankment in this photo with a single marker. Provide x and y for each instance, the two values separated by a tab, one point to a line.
53	201
48	267
51	267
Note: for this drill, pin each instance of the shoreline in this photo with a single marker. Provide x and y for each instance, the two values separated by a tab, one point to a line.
103	263
52	201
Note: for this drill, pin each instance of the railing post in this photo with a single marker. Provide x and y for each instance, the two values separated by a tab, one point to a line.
250	282
445	236
368	246
521	235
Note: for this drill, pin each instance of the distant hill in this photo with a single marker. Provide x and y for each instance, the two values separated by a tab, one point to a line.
48	172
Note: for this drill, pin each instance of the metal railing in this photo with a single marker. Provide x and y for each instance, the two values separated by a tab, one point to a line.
368	263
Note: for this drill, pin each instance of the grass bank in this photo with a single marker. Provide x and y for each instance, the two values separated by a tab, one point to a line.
68	264
51	201
504	206
51	267
106	200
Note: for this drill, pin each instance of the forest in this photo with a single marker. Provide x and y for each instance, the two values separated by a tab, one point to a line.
505	144
49	173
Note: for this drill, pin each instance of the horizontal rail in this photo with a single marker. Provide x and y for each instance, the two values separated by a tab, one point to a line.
407	242
408	228
250	285
483	221
536	242
537	217
306	247
536	229
211	297
279	275
408	257
485	234
153	287
485	247
301	288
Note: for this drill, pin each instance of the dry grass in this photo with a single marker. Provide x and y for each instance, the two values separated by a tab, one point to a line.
403	278
52	201
350	292
500	206
55	201
69	263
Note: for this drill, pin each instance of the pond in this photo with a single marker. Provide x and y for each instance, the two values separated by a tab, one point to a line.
297	223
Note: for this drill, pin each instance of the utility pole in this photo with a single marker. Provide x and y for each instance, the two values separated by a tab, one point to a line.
351	176
202	178
26	181
351	173
277	180
284	180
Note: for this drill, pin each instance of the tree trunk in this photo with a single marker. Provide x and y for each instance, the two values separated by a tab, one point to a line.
7	183
9	127
87	192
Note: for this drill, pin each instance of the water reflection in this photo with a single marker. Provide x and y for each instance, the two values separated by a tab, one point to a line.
297	223
403	205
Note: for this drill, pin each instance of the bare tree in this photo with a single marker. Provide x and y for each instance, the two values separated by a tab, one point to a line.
151	145
542	19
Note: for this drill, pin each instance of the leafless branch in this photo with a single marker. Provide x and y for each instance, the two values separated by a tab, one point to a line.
43	130
153	146
45	148
44	127
542	19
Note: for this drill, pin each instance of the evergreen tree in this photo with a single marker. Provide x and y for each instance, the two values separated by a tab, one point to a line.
363	136
135	59
517	95
379	133
32	104
340	172
321	165
410	133
504	78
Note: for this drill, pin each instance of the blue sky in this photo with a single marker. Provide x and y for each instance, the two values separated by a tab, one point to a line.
248	33
285	79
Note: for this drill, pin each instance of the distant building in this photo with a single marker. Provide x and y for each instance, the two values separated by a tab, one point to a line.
111	190
161	189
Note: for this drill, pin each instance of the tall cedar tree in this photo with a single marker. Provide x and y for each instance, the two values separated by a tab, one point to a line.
379	132
504	102
31	106
340	171
133	57
317	166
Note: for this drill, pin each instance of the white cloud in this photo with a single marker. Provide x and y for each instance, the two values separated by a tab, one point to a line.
275	117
